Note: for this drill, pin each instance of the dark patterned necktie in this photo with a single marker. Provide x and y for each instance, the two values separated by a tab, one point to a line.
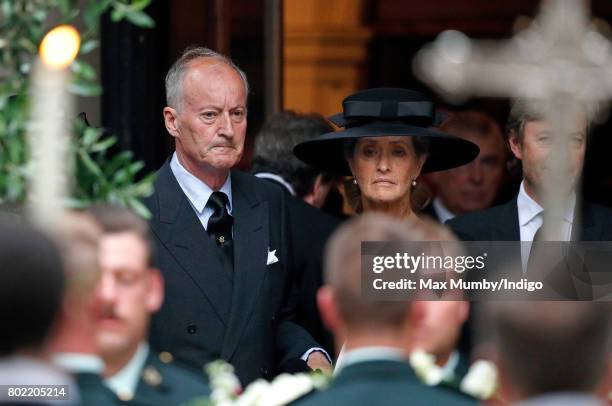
220	224
536	251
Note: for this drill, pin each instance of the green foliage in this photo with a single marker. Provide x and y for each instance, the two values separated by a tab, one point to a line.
98	176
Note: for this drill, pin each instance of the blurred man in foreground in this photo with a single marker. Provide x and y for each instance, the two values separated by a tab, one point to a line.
130	291
31	286
74	338
552	353
437	332
374	369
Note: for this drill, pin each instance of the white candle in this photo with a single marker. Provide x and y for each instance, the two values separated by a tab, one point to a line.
51	126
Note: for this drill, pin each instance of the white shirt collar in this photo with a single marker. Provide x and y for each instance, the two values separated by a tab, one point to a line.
125	381
79	363
373	353
563	398
197	191
278	179
529	209
23	369
442	211
448	370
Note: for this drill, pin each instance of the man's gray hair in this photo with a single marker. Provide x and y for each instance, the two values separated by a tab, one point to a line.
176	74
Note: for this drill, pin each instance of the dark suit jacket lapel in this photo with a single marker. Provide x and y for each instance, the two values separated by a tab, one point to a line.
590	230
507	225
180	230
251	243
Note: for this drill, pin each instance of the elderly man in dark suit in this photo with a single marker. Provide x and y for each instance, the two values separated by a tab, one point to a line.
223	237
374	369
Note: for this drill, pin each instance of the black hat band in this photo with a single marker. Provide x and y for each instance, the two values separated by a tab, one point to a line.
388	110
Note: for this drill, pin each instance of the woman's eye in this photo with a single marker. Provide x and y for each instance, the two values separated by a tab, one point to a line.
369	152
399	152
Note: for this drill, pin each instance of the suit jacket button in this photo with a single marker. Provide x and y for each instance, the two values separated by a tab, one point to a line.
264	372
192	329
273	319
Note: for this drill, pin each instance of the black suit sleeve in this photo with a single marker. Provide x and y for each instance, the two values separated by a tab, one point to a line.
292	340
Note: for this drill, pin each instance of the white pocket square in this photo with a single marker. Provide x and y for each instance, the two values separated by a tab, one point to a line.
271	257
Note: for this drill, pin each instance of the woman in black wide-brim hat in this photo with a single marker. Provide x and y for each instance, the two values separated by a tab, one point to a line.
385	145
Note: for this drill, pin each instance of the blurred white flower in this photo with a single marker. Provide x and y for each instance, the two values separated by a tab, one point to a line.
481	380
284	389
254	393
425	367
224	384
287	388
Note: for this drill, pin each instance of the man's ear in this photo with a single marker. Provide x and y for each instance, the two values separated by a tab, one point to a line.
417	313
320	190
515	144
463	311
170	120
155	295
328	309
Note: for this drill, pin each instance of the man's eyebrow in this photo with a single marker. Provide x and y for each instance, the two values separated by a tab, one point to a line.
209	106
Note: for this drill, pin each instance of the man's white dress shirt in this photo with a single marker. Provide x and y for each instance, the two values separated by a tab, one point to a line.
530	217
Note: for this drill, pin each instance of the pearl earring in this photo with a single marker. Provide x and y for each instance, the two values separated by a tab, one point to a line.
354	181
414	182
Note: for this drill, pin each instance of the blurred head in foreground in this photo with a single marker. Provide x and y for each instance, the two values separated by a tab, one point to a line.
352	317
31	288
546	348
78	238
130	290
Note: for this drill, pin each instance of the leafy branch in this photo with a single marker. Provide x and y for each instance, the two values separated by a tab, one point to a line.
98	176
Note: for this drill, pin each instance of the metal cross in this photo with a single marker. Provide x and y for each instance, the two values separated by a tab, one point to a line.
560	61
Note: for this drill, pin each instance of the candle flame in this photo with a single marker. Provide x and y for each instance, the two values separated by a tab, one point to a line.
59	47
